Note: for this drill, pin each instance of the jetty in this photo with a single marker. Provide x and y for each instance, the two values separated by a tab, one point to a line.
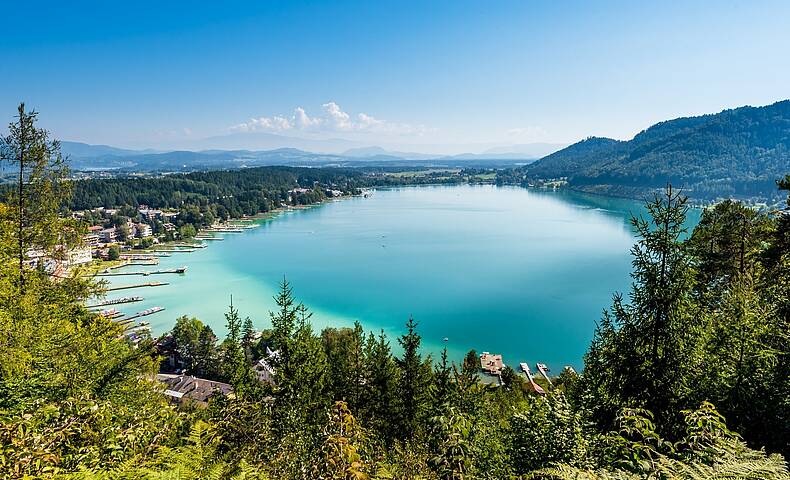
189	245
137	285
145	313
543	369
535	386
115	301
144	273
150	255
111	313
137	328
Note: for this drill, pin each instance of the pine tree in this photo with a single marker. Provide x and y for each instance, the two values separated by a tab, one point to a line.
32	220
413	387
444	386
380	394
235	367
644	352
283	322
247	337
301	379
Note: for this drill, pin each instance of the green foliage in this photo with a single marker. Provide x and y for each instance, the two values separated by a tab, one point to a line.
547	431
415	379
343	447
643	351
707	319
453	460
113	253
707	451
733	154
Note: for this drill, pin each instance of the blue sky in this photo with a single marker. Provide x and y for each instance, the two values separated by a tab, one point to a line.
451	75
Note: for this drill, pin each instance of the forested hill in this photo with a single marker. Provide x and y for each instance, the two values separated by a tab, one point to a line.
737	153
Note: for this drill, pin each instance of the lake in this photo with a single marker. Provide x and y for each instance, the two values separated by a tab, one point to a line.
521	272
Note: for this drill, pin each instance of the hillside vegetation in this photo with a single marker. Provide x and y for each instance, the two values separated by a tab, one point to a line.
738	153
688	376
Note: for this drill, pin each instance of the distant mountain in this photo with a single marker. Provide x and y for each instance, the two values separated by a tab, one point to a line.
379	152
737	153
204	160
79	149
259	141
103	157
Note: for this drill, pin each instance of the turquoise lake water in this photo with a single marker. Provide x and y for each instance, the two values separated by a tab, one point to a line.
525	273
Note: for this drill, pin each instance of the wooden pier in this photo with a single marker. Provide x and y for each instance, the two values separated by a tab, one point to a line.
115	301
137	285
145	313
155	272
149	255
537	388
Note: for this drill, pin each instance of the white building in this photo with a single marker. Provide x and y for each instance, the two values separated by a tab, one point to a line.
143	230
78	256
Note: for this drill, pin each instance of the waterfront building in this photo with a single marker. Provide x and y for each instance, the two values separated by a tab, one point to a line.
491	364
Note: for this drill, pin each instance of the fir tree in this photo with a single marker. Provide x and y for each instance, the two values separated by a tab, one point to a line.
413	382
380	395
644	351
247	337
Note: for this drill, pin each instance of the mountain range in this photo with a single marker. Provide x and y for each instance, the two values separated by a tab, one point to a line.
737	153
83	156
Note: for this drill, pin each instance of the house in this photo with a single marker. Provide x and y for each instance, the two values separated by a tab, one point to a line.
78	256
185	388
263	368
169	227
91	239
149	213
491	364
143	230
264	371
108	235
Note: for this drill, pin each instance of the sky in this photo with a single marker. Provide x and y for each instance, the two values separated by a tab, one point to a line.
410	75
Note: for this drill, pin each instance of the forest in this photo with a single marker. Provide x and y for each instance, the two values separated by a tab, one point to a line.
688	374
738	153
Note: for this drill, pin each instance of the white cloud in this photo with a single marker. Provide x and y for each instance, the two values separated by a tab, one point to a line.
303	121
340	119
333	119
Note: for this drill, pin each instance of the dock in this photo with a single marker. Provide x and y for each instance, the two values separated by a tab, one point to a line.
144	273
535	386
150	255
144	313
115	301
543	369
189	245
137	285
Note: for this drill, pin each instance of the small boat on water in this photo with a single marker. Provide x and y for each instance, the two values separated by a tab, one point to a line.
115	301
110	313
145	313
